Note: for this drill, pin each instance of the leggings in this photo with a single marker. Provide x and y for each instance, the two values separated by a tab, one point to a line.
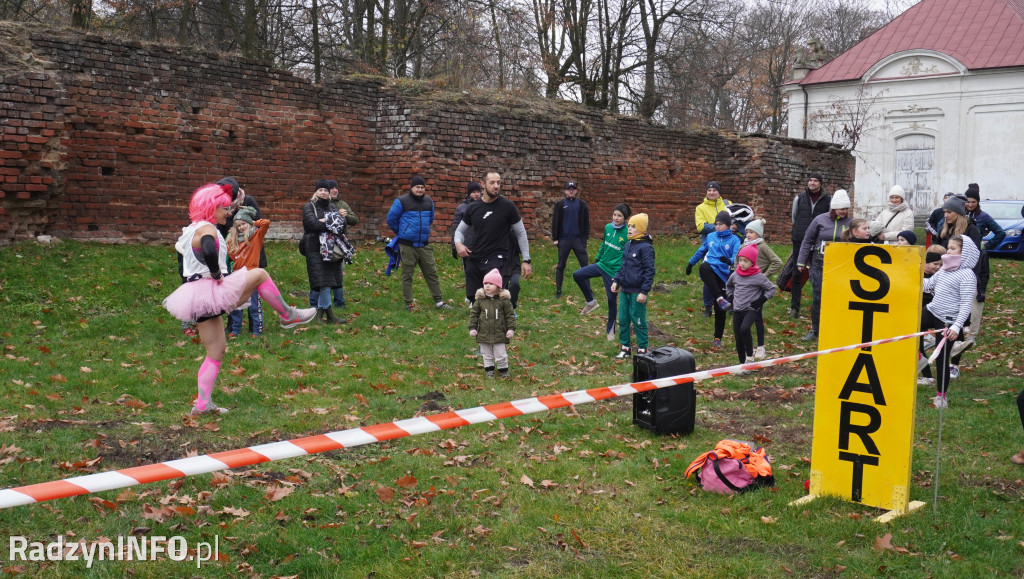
742	320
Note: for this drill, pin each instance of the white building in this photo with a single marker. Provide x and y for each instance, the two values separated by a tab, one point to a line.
936	98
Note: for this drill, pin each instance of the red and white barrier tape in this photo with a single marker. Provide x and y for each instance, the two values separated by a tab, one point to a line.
104	481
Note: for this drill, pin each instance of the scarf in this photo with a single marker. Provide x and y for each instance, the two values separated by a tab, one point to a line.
950	262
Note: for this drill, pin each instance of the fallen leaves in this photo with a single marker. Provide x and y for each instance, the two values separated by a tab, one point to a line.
276	493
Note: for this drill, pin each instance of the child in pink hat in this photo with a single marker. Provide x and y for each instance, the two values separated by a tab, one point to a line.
746	291
492	321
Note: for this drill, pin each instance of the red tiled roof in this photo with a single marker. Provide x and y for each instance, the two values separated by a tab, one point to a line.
978	33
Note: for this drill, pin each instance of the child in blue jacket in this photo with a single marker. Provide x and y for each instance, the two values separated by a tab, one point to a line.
635	278
719	254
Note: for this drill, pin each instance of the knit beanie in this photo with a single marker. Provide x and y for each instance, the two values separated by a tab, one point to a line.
909	235
493	276
715	185
816	175
723	217
473	187
246	214
757	226
932	257
973	192
840	200
956	205
749	252
897	190
332	184
322	184
639	222
624	210
417	180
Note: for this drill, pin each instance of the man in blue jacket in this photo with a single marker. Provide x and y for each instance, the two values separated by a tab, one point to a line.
410	218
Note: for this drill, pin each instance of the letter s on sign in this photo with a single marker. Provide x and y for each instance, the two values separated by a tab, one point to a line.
873	272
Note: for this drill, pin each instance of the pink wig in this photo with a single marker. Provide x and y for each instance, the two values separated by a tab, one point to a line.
206	200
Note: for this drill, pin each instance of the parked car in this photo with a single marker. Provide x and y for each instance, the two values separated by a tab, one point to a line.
1009	214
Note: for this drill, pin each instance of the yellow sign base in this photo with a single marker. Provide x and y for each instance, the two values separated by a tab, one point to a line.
803	500
887	517
912	506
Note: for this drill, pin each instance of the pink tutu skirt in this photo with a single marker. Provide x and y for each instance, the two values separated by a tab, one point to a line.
206	297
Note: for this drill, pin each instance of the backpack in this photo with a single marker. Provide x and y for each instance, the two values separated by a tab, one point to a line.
732	467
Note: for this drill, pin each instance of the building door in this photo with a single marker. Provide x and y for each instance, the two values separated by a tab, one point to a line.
915	162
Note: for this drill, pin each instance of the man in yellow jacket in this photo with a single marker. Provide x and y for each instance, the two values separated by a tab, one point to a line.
705	215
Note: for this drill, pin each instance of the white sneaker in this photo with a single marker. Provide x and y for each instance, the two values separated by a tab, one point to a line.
588	307
297	317
940	401
611	334
929	341
759	353
624	352
961	347
923	381
211	408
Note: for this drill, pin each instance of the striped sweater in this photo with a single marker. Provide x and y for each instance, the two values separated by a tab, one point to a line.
954	291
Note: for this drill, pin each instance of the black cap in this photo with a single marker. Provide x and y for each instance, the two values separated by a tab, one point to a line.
715	185
323	184
472	187
332	184
816	175
973	192
571	185
417	180
724	217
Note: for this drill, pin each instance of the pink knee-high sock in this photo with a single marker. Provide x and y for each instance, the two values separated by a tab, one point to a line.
207	376
270	294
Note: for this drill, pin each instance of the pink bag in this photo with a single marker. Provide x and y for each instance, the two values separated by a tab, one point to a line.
724	475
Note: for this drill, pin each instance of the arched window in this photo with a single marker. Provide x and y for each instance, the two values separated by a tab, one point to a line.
915	170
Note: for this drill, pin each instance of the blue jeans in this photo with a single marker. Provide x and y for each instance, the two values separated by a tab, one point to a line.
320	299
582	277
255	317
339	294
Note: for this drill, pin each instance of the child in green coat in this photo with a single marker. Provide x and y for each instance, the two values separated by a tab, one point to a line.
492	321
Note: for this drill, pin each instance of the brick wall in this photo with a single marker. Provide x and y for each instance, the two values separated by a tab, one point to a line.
105	139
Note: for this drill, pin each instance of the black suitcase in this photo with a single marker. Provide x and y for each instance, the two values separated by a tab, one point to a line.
671	410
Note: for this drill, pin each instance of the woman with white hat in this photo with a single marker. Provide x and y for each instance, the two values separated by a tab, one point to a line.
824	228
897	217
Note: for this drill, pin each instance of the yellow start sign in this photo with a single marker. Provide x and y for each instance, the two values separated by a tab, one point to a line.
864	402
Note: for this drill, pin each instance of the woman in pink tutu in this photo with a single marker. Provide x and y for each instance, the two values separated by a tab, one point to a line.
209	293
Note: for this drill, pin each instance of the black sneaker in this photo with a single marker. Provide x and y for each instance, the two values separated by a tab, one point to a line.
490	373
443	306
707	311
503	373
558	294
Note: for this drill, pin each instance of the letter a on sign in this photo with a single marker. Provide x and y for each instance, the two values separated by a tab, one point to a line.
864	403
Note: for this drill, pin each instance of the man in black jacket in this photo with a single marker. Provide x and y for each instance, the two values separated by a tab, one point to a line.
570	229
806	206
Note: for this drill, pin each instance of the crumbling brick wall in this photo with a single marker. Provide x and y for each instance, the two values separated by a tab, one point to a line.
106	139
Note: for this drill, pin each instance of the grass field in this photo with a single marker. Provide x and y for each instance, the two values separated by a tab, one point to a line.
96	376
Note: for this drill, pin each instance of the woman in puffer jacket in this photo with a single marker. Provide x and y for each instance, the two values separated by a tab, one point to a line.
824	228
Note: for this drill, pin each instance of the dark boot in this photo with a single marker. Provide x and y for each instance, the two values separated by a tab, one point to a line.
321	315
330	318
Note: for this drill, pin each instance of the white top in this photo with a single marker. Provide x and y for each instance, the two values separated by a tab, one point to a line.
190	263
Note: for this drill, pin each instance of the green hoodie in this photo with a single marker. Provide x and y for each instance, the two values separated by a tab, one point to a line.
609	257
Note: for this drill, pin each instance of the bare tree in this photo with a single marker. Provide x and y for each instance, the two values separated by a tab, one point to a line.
848	120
